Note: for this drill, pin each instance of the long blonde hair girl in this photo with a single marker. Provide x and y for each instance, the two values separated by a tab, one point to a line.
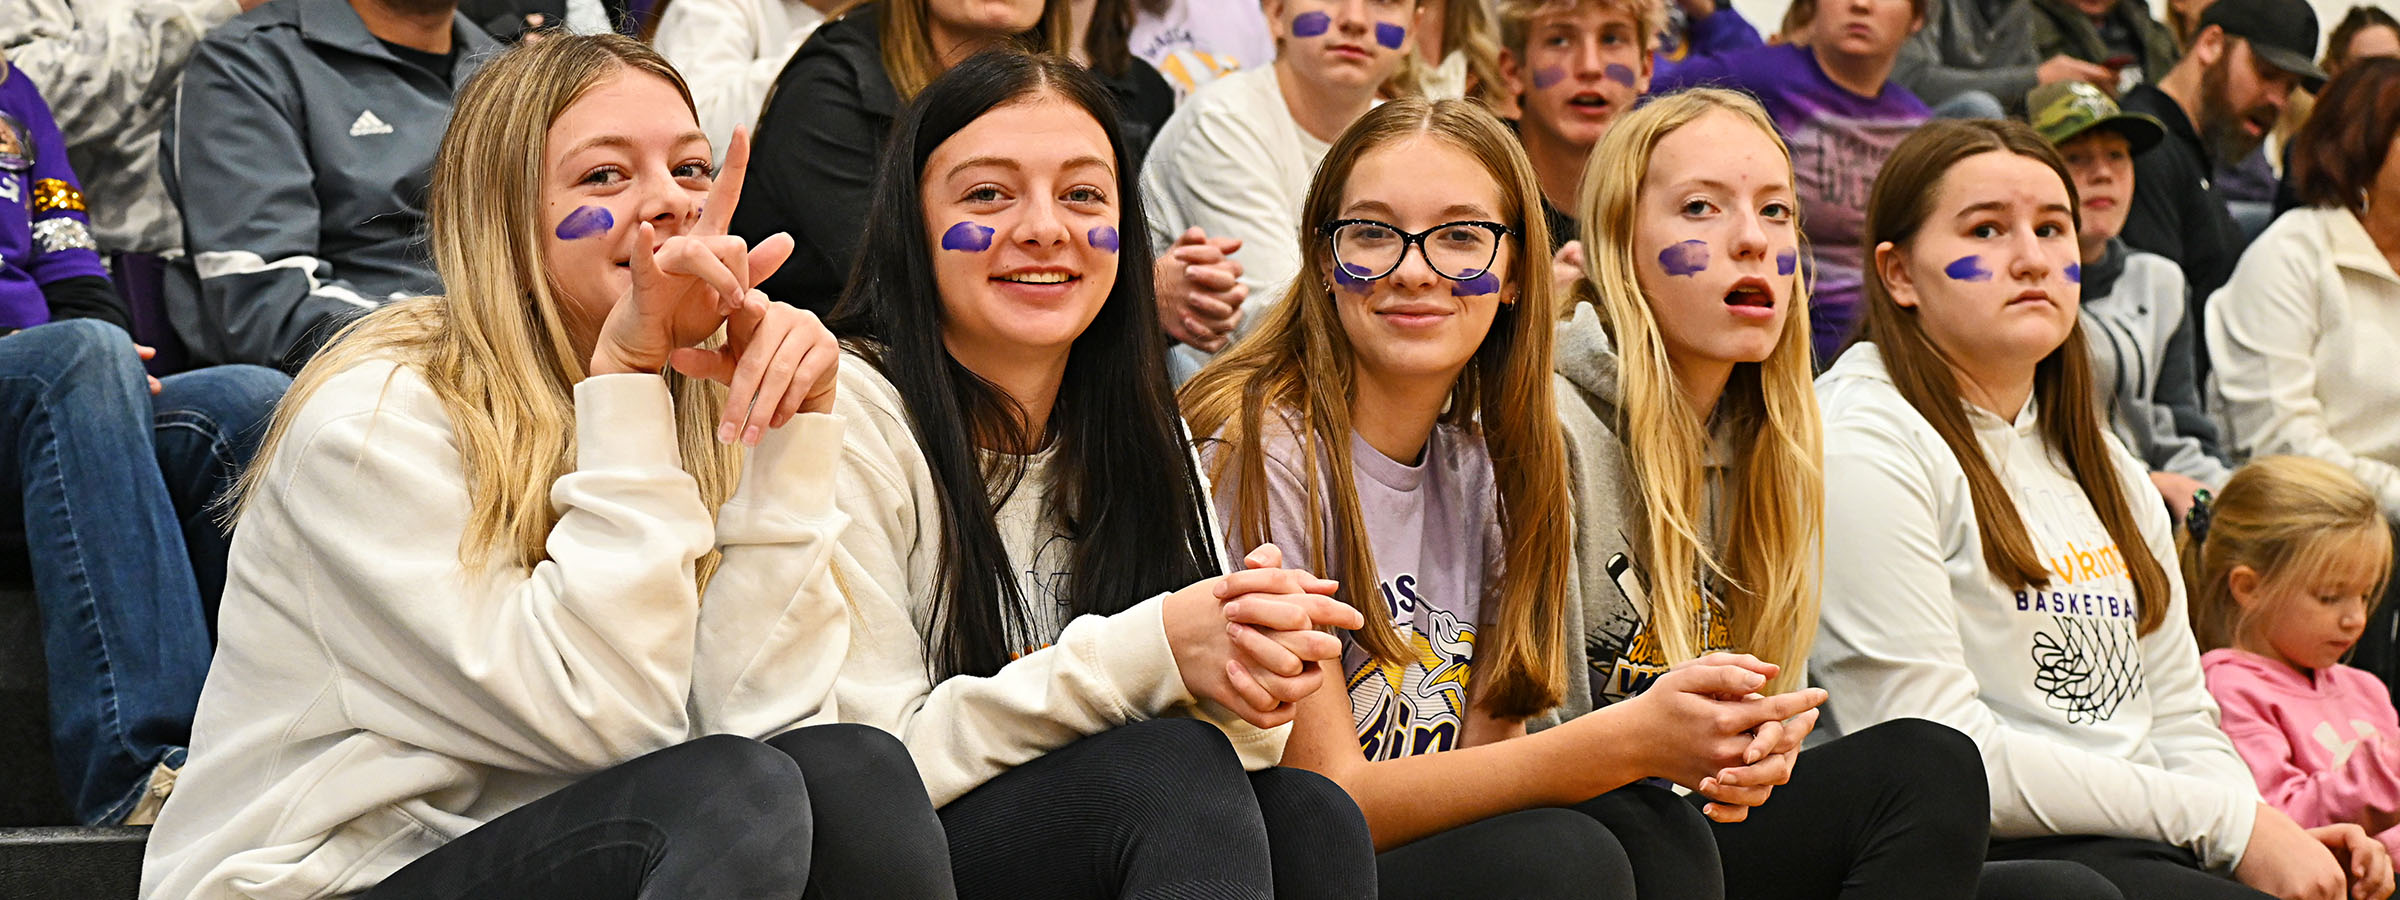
1300	364
495	349
1773	507
2291	519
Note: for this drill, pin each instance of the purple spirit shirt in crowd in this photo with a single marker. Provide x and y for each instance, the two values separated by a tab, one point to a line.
44	234
1435	533
1839	140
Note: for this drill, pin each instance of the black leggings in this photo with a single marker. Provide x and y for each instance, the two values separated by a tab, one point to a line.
1158	809
1900	810
1635	841
2122	869
717	817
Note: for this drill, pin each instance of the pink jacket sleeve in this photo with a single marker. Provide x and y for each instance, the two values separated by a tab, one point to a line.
2364	789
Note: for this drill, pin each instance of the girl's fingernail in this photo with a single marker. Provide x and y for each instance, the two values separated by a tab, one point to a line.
1233	609
725	433
752	437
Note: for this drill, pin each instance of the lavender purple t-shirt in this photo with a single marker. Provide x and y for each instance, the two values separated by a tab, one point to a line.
1434	530
1839	141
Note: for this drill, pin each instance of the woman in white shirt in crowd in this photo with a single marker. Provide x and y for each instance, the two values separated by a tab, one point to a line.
1999	564
731	50
1038	607
486	529
2304	353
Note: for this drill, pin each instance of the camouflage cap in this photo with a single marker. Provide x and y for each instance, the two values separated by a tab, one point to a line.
2062	110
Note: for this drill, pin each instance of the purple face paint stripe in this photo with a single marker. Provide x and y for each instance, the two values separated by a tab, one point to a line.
967	236
1102	238
1967	268
1476	284
1685	259
2075	272
1619	73
584	222
1311	24
1787	260
1390	35
1548	76
1353	277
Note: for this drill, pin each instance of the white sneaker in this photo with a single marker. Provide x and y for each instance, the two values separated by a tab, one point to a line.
145	811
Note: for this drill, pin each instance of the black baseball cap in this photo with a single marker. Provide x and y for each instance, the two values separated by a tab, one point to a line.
2282	32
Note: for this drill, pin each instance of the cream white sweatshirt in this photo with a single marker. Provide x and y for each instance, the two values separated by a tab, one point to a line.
371	699
2304	337
2085	727
1098	673
729	52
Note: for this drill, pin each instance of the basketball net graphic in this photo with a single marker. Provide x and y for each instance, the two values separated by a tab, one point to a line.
2087	668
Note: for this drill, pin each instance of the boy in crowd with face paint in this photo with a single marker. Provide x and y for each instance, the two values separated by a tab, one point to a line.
2133	301
1835	102
1237	157
1573	65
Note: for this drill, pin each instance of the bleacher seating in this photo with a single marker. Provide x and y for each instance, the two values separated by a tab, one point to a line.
41	855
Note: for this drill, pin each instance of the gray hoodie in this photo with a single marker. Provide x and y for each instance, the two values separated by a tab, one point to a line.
1614	656
2133	323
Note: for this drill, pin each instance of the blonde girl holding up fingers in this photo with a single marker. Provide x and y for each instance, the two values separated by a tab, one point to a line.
458	637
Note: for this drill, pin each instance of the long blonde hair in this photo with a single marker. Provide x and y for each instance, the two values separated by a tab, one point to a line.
1468	27
495	349
1300	364
1774	501
2289	518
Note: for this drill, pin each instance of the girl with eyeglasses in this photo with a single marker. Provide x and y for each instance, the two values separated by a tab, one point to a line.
1392	422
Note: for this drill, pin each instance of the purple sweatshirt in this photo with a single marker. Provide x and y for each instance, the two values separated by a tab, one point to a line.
1839	140
44	234
1723	32
2324	745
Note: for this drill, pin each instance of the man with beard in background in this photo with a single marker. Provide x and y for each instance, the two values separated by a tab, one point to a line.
299	151
2218	103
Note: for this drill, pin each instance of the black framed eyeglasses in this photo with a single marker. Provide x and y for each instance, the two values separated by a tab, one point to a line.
1365	249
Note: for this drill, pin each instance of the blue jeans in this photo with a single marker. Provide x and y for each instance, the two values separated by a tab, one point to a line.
113	488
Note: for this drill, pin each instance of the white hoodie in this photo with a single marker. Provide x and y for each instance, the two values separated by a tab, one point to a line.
371	699
2085	727
1098	673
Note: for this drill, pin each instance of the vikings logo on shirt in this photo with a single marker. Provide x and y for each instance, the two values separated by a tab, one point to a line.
16	158
1419	706
16	144
1623	651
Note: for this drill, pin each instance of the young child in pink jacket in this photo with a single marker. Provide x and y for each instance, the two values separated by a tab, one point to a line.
2284	568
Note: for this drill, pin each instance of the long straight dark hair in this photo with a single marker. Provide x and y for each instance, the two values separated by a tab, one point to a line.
2070	423
1128	493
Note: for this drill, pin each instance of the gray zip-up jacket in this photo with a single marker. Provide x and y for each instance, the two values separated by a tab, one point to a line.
108	69
1960	50
299	151
2133	322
